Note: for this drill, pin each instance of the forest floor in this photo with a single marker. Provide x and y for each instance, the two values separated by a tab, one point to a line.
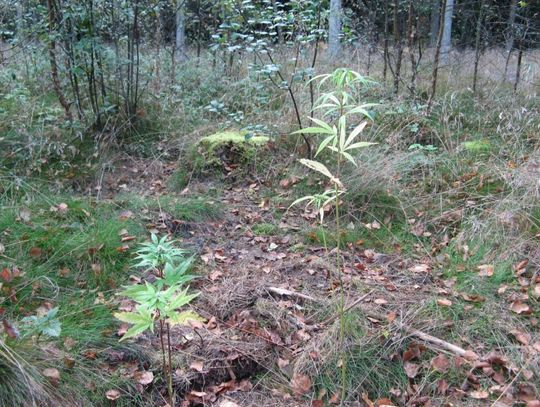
270	293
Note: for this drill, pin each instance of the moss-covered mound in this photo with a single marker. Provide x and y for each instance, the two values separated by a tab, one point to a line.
229	149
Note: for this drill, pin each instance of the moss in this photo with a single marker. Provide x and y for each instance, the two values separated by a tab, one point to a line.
264	229
213	141
227	149
477	147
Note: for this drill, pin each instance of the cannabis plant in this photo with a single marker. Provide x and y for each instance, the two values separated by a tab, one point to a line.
339	107
162	300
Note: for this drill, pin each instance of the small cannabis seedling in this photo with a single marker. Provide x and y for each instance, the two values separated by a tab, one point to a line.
161	300
339	107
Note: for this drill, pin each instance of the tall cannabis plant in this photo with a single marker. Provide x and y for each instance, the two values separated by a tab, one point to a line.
340	108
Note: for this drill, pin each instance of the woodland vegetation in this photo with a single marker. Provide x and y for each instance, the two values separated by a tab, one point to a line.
269	203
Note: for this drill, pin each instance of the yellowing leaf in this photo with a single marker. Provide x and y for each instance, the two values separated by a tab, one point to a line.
183	318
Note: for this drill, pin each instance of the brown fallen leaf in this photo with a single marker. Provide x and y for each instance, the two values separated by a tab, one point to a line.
384	402
440	363
144	377
535	292
485	270
444	302
112	394
479	394
473	298
52	374
520	308
197	365
35	252
522	337
411	369
300	384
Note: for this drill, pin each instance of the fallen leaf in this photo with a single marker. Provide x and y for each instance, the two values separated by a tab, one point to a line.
486	270
420	268
384	402
197	365
300	384
521	337
112	394
411	369
535	292
144	377
317	403
473	298
10	330
6	275
228	403
443	302
479	394
442	387
380	301
440	363
35	252
520	308
52	374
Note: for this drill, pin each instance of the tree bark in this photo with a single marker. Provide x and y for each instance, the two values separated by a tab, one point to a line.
446	43
434	23
478	50
511	35
180	38
436	61
334	32
52	60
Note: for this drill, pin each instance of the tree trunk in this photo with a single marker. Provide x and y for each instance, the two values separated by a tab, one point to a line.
434	23
385	51
511	26
180	17
436	62
478	44
446	43
52	59
334	32
511	35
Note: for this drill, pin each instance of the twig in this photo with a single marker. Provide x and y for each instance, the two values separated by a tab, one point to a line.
289	293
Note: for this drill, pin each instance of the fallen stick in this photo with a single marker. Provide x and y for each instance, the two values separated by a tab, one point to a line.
466	354
430	339
289	293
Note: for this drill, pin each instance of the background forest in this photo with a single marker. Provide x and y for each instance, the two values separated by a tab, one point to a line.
269	203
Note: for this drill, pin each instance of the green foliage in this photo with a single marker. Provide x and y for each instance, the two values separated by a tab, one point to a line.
157	253
47	324
160	301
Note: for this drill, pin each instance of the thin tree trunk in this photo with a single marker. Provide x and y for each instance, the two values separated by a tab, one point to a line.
385	51
437	57
334	29
52	60
478	50
446	43
518	68
509	46
435	22
180	38
411	34
399	48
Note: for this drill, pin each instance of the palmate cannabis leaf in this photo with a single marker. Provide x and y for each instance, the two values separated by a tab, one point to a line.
142	319
183	318
157	253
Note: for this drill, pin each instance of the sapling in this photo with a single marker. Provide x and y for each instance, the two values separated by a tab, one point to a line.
339	107
160	300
